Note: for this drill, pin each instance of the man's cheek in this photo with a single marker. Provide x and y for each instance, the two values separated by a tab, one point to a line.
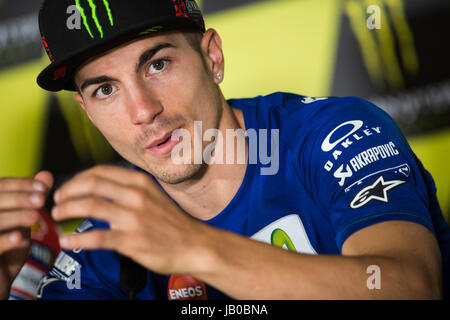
120	143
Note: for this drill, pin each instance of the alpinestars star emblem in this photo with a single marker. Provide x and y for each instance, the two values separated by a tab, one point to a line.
376	191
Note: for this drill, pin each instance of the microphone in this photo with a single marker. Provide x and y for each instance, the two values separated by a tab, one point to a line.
133	277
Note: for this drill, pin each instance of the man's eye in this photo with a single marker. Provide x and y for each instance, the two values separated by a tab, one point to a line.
104	91
157	66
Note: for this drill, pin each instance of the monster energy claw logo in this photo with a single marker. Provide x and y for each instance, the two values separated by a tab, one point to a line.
78	12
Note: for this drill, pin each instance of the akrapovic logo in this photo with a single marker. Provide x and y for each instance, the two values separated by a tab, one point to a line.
88	13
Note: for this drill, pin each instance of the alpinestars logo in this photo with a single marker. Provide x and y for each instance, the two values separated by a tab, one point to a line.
93	8
376	191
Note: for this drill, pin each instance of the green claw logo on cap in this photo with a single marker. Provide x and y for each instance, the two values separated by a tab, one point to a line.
94	16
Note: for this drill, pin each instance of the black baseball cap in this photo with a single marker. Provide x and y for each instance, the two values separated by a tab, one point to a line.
74	31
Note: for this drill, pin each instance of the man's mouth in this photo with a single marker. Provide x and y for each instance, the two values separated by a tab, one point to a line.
162	145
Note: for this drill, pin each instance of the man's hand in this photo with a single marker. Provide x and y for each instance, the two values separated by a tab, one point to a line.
20	200
148	227
145	224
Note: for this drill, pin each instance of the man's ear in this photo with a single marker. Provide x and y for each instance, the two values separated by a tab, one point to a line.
80	100
211	46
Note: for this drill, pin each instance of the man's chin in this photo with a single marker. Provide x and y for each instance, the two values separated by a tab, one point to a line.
178	173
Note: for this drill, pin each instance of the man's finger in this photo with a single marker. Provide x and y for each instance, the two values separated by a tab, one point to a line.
93	240
19	218
93	185
21	200
118	175
46	178
12	240
124	176
91	207
22	185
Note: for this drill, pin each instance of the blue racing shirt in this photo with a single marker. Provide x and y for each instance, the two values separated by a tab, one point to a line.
327	168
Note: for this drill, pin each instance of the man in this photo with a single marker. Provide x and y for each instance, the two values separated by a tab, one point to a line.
344	194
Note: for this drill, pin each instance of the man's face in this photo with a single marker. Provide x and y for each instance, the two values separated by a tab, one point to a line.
139	93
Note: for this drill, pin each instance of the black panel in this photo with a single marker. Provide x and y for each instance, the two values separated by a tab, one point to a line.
423	104
19	32
350	75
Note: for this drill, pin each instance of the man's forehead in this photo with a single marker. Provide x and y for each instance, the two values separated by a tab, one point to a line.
131	50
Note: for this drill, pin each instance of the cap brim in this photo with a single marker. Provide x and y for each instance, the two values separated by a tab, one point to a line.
50	81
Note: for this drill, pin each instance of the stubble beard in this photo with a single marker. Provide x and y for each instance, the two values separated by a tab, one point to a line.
182	173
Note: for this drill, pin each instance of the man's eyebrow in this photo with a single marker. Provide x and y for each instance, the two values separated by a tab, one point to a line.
96	80
148	54
145	56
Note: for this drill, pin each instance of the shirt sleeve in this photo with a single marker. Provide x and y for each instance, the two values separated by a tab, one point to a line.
360	170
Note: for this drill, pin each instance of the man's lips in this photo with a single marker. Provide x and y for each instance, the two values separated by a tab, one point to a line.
163	144
160	140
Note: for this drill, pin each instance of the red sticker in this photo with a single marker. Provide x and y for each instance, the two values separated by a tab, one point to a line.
59	73
186	288
180	8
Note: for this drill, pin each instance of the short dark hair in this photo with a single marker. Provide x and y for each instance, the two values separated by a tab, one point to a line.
194	38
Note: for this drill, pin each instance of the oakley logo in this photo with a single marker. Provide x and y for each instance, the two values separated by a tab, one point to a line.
327	145
78	13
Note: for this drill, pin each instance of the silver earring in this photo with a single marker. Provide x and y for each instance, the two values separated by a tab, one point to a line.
219	76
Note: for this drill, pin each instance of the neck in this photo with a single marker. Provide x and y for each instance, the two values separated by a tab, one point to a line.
209	192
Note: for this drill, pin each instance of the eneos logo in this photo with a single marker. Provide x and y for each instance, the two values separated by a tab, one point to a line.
186	288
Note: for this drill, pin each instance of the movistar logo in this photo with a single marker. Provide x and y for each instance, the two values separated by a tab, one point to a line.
79	12
281	239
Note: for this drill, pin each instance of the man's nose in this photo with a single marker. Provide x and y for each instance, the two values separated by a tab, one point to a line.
143	107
